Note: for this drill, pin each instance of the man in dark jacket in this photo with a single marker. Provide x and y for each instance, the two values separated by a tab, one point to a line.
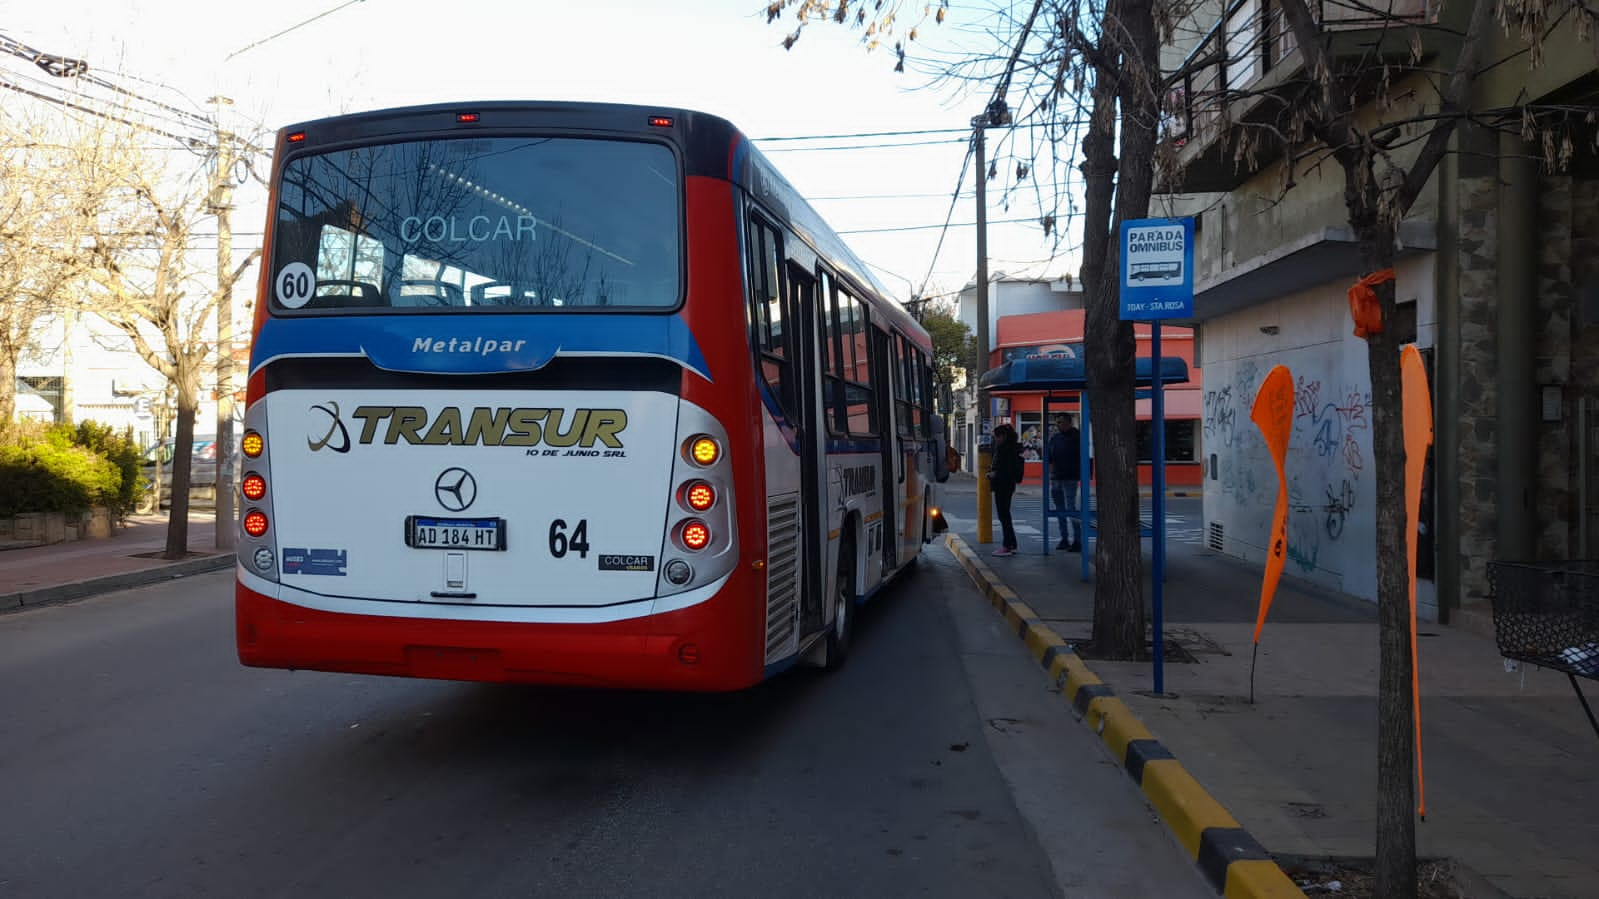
1065	473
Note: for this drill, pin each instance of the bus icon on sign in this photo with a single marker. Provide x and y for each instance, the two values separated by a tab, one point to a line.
1168	268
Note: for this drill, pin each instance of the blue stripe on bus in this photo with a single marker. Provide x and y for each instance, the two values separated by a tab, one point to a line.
477	345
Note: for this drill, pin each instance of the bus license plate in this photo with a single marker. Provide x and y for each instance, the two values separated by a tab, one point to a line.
423	532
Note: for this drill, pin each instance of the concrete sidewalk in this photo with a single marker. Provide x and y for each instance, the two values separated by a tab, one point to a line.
60	572
1511	763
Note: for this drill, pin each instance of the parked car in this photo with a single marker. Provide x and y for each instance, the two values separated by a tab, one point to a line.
202	473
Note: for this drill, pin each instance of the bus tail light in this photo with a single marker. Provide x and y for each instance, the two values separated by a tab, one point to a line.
694	534
253	444
255	522
253	487
698	495
703	450
679	572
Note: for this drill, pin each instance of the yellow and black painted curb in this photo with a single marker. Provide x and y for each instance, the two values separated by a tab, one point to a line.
1234	863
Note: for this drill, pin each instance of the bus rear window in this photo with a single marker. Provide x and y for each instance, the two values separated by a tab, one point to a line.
530	224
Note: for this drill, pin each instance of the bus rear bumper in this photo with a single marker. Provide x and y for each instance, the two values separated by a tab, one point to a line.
681	650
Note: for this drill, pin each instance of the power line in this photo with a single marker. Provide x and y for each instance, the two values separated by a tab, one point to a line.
191	142
857	134
882	197
946	225
920	143
323	14
954	199
77	69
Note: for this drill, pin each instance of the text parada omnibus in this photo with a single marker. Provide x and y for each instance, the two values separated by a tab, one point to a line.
568	393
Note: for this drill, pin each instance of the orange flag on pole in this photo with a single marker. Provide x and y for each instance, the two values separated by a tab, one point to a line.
1416	399
1273	413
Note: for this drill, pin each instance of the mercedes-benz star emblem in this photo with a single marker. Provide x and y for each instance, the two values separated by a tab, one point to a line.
455	489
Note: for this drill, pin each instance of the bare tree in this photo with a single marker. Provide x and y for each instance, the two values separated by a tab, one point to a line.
1087	78
147	278
38	255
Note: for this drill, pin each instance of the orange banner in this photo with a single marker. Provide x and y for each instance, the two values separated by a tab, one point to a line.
1417	403
1273	413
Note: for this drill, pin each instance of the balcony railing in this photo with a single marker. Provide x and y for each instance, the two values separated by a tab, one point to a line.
1253	40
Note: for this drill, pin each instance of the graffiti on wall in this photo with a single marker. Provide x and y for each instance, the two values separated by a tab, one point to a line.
1327	456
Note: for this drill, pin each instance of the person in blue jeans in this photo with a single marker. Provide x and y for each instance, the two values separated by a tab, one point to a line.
1065	475
1003	476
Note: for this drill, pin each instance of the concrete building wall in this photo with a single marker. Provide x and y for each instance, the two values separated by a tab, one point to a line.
1266	213
1014	298
106	375
1582	400
1331	488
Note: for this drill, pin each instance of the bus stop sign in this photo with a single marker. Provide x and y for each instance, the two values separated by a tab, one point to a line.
1157	269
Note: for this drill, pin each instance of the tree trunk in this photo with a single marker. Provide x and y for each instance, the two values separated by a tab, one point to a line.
1110	347
8	389
1396	733
182	458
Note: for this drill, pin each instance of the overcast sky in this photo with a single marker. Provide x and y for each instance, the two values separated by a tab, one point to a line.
719	56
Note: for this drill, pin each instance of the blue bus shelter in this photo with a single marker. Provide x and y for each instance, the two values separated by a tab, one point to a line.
1065	377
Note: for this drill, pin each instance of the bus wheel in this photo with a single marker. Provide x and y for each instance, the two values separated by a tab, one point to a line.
843	629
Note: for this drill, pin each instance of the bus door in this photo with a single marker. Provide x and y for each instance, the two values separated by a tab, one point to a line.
810	435
893	464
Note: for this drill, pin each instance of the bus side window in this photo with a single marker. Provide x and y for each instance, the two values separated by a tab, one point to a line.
832	356
767	333
857	367
924	380
902	385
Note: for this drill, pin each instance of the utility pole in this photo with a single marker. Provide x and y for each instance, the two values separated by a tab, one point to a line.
996	115
222	208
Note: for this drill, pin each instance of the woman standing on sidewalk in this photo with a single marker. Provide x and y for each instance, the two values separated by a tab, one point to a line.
1002	479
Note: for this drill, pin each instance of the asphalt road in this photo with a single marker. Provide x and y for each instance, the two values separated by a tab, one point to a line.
137	758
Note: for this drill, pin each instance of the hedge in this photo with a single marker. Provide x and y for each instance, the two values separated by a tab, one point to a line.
66	468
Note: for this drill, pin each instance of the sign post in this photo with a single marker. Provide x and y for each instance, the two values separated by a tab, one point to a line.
1157	282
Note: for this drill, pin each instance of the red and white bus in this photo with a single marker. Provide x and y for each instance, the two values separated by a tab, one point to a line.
568	393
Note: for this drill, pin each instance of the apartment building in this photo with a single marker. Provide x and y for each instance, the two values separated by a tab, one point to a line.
1497	283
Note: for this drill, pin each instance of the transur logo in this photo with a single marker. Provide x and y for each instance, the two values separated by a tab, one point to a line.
335	429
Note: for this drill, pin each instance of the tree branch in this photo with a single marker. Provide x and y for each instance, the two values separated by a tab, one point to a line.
1453	99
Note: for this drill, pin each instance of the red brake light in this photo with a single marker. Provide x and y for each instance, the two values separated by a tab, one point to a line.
661	121
696	536
466	118
255	523
253	486
296	137
699	496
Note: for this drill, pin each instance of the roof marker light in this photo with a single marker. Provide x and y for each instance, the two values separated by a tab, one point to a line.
466	118
661	121
296	137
